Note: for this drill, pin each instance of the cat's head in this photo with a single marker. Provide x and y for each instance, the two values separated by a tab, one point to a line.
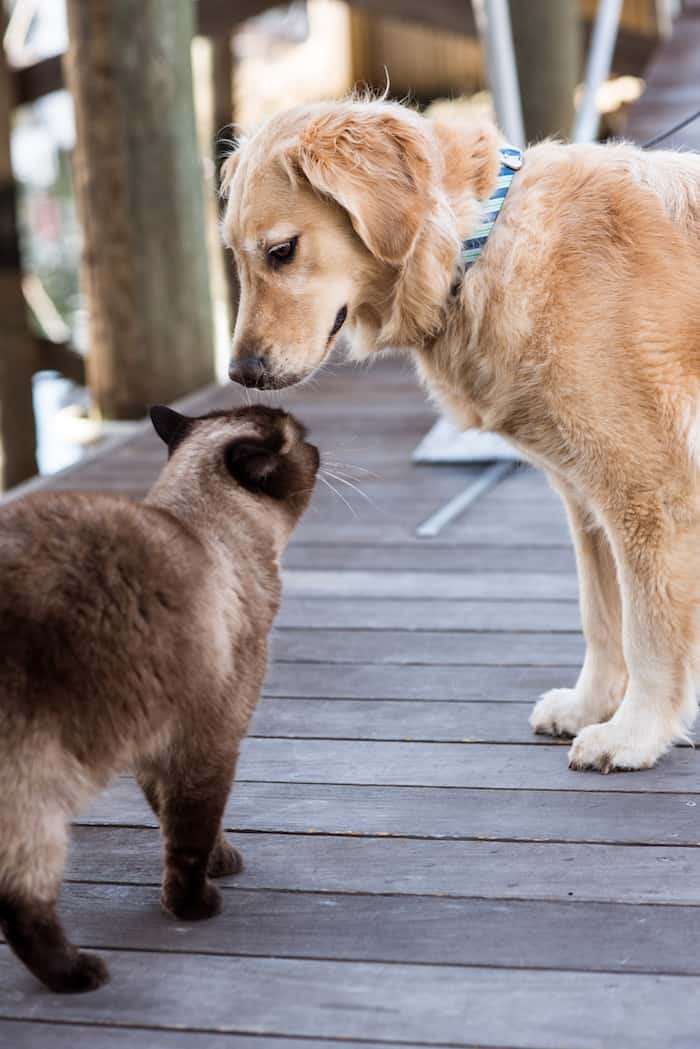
259	450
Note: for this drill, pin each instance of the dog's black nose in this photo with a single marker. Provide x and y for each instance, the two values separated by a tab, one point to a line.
248	371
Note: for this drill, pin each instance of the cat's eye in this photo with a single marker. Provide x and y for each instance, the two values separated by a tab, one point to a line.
282	253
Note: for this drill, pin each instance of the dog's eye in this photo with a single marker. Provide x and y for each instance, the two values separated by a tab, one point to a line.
282	253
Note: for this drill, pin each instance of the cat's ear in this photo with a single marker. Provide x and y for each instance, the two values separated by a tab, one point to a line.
257	463
170	426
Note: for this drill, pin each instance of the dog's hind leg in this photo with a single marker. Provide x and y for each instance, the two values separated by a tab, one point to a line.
658	569
603	677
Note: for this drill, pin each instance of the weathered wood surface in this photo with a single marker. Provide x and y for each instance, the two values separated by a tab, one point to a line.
435	1005
410	866
511	586
514	933
399	720
18	1034
365	681
435	812
299	612
420	869
671	92
430	646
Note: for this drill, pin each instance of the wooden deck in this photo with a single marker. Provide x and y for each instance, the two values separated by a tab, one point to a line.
673	86
420	869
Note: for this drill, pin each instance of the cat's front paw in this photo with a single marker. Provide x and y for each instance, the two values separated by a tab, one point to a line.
193	908
560	712
612	747
224	859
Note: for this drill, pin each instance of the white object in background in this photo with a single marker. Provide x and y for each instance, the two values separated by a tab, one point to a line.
493	25
600	56
487	479
446	444
666	11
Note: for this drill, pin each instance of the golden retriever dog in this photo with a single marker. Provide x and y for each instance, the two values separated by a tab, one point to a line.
575	335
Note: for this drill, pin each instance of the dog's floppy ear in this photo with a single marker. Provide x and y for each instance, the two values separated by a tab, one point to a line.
376	165
257	463
170	426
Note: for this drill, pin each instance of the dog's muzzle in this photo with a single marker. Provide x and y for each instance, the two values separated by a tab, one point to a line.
250	371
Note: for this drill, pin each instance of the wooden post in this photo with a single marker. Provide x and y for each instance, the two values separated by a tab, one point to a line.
547	49
140	195
17	348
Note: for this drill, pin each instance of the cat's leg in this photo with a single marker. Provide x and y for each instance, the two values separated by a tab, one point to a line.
659	565
224	859
31	869
603	677
192	801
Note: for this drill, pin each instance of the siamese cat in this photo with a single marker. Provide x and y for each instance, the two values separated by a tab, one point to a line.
135	635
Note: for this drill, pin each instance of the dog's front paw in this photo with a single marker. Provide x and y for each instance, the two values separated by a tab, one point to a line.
611	747
560	712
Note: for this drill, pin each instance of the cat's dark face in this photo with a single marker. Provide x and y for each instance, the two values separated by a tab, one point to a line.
262	450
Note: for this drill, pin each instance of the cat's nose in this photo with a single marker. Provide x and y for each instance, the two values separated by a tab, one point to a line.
250	370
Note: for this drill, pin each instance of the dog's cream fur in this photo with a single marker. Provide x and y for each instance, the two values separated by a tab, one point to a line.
576	335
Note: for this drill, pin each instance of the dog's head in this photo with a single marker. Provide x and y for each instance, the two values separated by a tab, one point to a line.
339	216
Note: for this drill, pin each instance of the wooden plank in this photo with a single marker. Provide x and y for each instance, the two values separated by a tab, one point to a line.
434	812
374	681
529	505
496	870
513	933
671	78
498	722
427	647
28	1034
387	532
422	556
420	615
497	766
440	1005
492	586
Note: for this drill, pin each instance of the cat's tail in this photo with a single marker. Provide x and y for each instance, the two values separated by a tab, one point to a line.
33	832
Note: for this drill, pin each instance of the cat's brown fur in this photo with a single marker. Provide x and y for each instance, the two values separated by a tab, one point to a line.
135	635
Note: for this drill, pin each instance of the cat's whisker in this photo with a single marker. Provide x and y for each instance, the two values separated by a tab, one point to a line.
344	480
338	465
333	489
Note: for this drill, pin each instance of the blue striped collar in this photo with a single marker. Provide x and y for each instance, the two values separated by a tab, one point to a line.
511	161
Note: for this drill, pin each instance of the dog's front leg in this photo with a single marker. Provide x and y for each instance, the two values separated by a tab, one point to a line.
603	677
658	611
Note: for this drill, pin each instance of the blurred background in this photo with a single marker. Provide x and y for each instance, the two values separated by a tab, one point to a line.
114	290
